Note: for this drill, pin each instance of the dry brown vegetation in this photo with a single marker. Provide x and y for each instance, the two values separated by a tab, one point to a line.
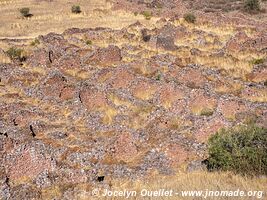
198	181
206	77
56	16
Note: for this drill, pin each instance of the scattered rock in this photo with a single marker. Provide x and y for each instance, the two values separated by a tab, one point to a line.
105	56
93	99
201	102
125	147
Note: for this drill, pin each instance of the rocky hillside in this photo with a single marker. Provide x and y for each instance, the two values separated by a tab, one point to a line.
90	105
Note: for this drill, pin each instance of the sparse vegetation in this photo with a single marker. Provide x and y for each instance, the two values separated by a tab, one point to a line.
159	5
206	112
252	5
248	118
241	149
25	12
146	37
258	61
147	15
35	42
149	92
76	9
181	181
190	18
158	77
15	53
88	42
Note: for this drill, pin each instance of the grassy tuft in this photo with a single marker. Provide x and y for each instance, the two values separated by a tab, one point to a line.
15	53
88	42
147	15
206	112
25	12
257	61
190	18
35	42
76	9
252	5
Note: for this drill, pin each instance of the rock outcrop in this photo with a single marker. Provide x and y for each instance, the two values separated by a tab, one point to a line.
145	100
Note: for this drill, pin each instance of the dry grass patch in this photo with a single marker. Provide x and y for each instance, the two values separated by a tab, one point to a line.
144	90
56	16
118	101
110	113
255	94
228	87
138	116
80	74
4	58
189	182
237	68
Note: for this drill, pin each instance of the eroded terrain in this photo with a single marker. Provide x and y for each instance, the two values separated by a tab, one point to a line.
126	104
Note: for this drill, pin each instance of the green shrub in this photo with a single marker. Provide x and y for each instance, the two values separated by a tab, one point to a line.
88	42
206	112
15	53
35	42
147	15
76	9
158	77
257	61
241	149
25	12
190	18
252	5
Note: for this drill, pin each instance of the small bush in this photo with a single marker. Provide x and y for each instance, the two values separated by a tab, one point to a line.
206	112
147	15
35	42
159	5
88	42
158	77
257	61
241	149
25	12
190	18
76	9
252	5
15	53
146	37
